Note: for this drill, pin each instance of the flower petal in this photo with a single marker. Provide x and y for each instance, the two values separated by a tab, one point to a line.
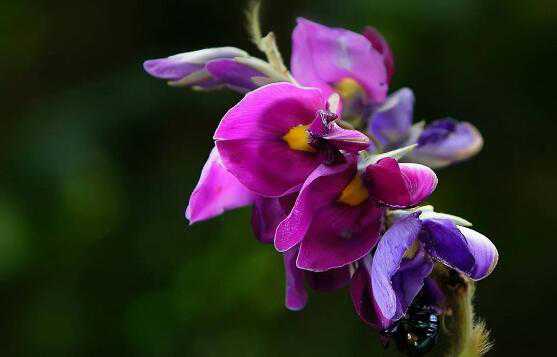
444	241
400	185
362	296
249	138
216	192
235	75
387	262
484	252
348	140
321	188
382	46
295	292
446	141
322	56
409	280
339	235
268	213
391	121
177	67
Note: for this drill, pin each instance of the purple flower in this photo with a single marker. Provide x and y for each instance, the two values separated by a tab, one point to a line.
440	143
339	211
446	141
278	134
387	283
213	68
216	192
391	121
335	59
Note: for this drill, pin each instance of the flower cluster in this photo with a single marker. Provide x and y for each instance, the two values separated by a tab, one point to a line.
334	169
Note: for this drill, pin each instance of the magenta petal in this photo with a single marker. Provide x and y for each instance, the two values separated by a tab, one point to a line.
321	188
295	295
322	56
484	252
216	192
352	141
329	280
339	235
249	138
387	261
400	185
268	213
382	46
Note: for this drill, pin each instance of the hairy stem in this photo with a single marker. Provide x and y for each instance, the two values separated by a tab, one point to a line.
468	336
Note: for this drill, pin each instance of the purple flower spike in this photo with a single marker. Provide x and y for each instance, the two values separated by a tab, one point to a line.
400	185
189	68
216	192
265	142
328	57
391	121
447	141
380	44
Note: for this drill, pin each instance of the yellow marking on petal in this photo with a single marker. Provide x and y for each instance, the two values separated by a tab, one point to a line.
349	88
355	193
298	138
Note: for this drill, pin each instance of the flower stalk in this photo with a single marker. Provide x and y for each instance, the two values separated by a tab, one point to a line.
467	335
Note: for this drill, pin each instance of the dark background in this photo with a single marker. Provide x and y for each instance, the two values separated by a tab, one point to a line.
97	161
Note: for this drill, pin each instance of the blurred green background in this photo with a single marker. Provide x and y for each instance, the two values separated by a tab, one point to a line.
97	161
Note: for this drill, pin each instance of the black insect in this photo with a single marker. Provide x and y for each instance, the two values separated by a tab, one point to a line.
417	333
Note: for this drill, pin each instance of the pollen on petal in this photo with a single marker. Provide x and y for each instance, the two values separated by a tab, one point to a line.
298	138
355	193
349	88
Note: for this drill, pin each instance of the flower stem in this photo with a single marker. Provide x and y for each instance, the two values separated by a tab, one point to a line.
468	336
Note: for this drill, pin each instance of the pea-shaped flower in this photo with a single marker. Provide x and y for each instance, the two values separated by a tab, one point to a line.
278	134
339	212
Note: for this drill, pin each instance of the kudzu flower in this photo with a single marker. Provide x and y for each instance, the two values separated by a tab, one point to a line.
278	134
338	207
338	215
440	143
386	284
335	59
214	68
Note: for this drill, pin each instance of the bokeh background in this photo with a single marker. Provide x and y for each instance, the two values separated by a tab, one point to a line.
97	161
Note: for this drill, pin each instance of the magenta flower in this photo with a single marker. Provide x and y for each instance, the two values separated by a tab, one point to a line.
387	283
339	211
278	134
335	59
216	192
